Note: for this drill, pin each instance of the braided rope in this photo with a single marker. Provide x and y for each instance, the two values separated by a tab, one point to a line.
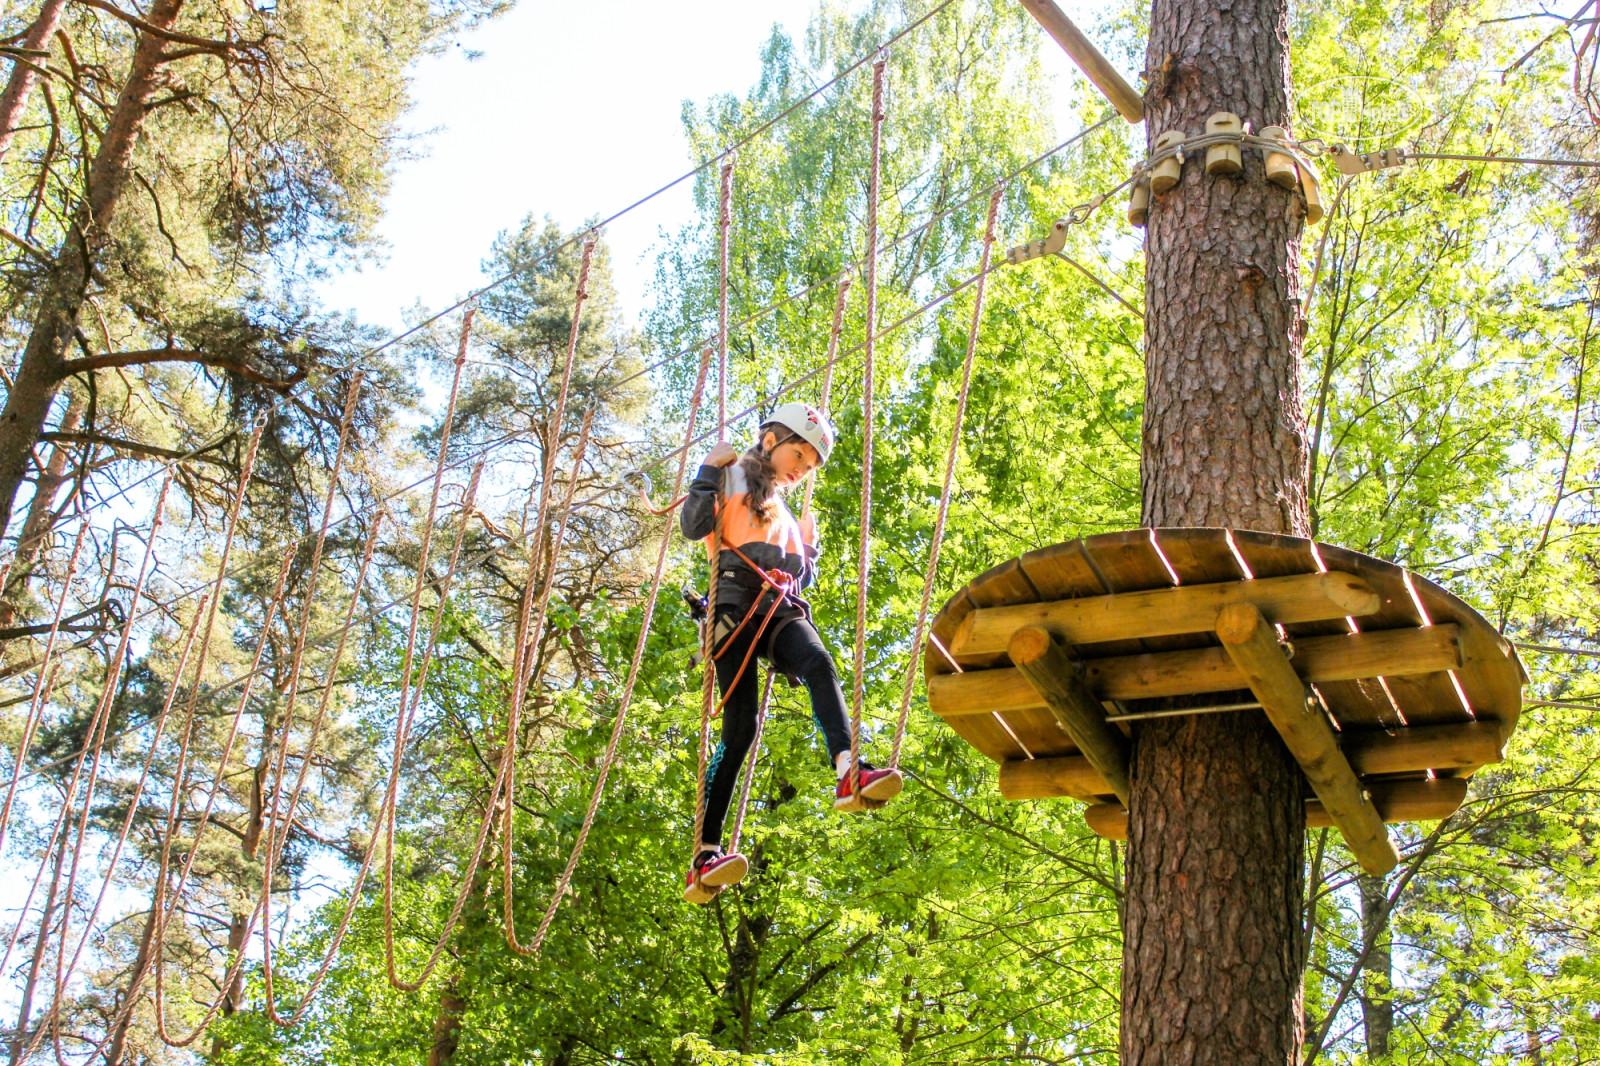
402	718
724	229
180	772
949	479
864	558
96	735
632	680
840	298
46	672
536	629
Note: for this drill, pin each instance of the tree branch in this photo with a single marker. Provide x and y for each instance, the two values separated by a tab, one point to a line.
121	444
172	35
179	355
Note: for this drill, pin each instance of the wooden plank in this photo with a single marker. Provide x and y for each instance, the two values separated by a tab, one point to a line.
1184	673
1131	562
1065	572
1163	612
1002	585
1053	673
1068	775
1491	674
1437	747
944	626
989	737
1252	642
1414	699
1398	801
1431	747
1362	702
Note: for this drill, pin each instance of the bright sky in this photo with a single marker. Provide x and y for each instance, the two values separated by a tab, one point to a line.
571	110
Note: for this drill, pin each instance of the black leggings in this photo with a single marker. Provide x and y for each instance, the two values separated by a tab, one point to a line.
798	651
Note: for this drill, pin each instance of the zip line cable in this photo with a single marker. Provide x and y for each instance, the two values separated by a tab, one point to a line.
495	283
756	316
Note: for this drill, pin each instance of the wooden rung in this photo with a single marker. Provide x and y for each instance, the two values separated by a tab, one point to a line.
1347	657
1427	747
1397	801
1253	644
1166	612
1056	677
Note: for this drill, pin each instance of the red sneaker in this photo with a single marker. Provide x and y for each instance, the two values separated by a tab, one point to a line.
877	788
711	872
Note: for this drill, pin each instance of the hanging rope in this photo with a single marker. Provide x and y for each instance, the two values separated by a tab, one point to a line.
632	679
708	677
724	227
402	718
840	298
864	558
46	672
95	746
949	479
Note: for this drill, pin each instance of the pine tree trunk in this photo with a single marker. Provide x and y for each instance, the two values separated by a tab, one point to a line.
141	964
41	517
61	295
1212	946
238	930
1377	1006
14	101
20	1041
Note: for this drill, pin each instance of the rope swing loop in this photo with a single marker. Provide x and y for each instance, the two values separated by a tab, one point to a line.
864	558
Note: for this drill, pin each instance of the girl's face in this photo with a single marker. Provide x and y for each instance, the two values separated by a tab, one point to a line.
791	460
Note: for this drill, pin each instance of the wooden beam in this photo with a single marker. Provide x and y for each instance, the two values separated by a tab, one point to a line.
1419	748
1095	66
1397	801
1166	612
1253	644
1059	683
1427	747
1060	775
1346	657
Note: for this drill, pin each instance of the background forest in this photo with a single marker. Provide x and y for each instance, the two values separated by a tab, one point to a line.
202	761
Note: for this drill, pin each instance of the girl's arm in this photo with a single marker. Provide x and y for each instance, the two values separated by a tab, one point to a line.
699	515
808	535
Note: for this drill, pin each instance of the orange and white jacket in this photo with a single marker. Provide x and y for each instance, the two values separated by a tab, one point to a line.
775	545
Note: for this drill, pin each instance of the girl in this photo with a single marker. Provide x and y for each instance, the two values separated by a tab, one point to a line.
765	557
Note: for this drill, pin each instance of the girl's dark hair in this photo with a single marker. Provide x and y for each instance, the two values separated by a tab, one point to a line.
756	463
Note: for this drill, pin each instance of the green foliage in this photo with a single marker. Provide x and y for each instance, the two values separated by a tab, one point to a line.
1450	391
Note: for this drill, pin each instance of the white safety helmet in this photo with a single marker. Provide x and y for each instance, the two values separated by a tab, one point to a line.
807	423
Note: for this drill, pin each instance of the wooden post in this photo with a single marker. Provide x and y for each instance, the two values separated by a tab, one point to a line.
1059	682
1095	66
1254	647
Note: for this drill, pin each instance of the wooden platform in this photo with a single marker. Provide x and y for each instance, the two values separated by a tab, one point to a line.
1419	690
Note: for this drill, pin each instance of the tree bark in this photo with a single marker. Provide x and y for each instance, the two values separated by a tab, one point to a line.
20	1040
63	289
238	930
1377	1005
41	516
119	1041
14	101
1213	952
